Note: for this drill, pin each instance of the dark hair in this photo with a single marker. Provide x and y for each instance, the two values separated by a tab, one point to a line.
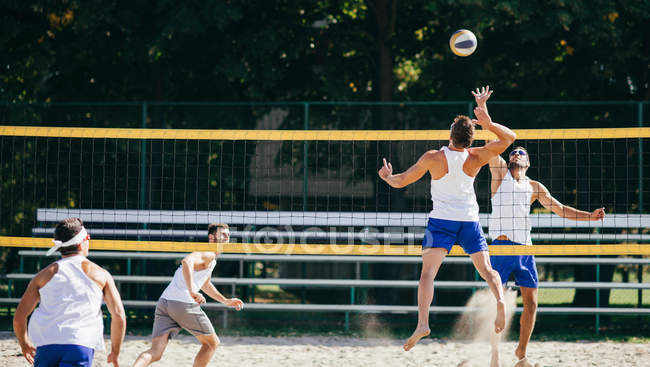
65	230
462	132
214	227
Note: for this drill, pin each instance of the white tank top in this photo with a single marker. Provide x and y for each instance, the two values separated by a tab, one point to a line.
453	195
511	209
177	289
69	311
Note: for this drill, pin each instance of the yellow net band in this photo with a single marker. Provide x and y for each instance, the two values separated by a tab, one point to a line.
310	135
330	249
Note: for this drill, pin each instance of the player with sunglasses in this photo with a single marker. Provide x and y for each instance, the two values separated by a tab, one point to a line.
512	194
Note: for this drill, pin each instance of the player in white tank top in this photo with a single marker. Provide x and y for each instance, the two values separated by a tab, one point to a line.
512	195
454	217
178	306
67	326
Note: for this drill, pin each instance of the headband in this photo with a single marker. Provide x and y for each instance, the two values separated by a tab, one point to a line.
79	238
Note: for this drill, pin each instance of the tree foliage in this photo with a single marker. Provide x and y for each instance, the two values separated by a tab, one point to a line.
110	50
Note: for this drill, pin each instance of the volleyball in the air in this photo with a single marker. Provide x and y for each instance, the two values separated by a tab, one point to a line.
462	42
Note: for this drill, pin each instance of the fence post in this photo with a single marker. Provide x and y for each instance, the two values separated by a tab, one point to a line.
143	188
640	122
598	297
143	162
305	161
640	266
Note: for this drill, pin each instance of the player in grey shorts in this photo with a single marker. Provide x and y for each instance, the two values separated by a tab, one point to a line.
178	307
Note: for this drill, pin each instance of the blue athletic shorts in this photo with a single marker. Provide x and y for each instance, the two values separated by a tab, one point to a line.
63	355
441	233
522	266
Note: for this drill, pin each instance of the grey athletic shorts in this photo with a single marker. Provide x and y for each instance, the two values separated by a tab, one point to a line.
171	316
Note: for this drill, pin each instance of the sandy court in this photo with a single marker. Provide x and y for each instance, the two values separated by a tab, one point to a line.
343	351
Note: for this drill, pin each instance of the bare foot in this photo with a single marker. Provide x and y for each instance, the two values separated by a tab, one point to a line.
525	363
500	321
520	353
418	334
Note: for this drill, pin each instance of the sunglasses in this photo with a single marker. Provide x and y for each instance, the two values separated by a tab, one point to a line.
518	151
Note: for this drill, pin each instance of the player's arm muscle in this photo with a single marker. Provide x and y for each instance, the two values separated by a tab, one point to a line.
415	172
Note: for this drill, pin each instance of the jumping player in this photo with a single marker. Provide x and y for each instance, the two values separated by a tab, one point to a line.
455	217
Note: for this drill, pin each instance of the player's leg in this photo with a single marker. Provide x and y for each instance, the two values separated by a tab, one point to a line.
153	354
503	265
481	262
431	261
192	318
527	279
527	320
471	238
439	237
209	344
495	339
164	327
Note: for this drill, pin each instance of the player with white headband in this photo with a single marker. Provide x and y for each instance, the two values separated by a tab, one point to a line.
67	327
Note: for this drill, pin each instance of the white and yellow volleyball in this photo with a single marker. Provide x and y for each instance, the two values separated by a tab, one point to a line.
462	42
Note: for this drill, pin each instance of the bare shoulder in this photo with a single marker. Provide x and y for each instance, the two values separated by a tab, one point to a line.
44	276
480	151
537	186
208	256
478	154
434	155
95	272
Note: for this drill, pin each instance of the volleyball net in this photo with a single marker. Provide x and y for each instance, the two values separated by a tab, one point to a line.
301	191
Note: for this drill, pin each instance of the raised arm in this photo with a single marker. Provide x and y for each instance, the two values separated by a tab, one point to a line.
541	193
118	317
498	170
214	293
505	137
498	166
482	95
414	173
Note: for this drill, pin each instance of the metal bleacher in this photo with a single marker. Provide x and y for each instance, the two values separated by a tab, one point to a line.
615	227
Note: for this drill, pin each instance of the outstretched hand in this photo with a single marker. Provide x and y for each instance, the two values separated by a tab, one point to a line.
597	214
482	95
386	170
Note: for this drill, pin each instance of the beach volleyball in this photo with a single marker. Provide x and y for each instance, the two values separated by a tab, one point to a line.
462	42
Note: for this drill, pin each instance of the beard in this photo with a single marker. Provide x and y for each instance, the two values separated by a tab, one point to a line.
516	164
